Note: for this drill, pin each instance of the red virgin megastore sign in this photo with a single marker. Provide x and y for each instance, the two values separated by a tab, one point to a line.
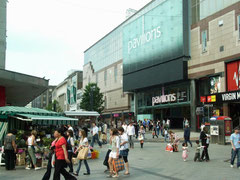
233	76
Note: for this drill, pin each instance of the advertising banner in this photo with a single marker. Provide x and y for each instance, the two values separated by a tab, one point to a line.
233	72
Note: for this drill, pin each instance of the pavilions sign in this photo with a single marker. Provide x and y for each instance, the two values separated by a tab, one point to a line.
170	98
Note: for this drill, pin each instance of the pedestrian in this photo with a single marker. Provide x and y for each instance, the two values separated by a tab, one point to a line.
141	135
105	162
165	135
31	143
174	140
168	123
202	126
99	129
47	175
83	143
185	151
70	128
235	142
124	148
95	135
205	142
136	127
10	148
61	156
144	124
197	153
114	154
158	127
70	149
154	131
131	133
124	126
187	133
105	128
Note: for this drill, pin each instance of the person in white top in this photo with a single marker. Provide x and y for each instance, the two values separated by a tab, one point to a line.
131	133
83	143
202	127
70	128
31	143
114	154
95	135
124	126
124	148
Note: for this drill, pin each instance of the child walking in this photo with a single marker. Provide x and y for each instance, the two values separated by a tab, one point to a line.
197	153
185	151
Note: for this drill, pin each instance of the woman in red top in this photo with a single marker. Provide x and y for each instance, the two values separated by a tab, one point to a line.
61	157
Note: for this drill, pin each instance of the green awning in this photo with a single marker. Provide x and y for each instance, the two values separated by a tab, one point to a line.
47	120
3	129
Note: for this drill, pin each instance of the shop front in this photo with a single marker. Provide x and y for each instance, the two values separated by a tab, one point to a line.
165	102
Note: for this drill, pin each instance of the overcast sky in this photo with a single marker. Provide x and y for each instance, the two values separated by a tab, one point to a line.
48	37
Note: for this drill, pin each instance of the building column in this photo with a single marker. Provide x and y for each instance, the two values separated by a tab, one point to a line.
225	109
2	96
193	105
135	110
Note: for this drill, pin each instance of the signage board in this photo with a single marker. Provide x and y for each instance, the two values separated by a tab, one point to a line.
230	96
233	76
214	130
170	98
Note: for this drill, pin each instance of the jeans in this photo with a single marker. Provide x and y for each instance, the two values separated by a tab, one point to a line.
31	153
165	138
70	165
158	131
9	159
131	141
86	165
187	140
60	169
95	138
47	175
233	156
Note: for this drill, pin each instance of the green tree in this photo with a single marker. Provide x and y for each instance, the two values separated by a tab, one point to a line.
54	106
92	99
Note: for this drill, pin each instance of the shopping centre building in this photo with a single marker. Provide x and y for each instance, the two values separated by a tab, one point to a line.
165	59
215	57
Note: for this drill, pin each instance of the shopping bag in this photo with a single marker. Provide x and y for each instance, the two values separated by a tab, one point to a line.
83	153
169	148
118	165
53	160
140	138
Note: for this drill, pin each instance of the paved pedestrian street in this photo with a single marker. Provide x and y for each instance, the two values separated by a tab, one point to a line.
152	162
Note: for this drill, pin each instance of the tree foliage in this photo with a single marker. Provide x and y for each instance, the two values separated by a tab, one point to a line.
54	106
92	99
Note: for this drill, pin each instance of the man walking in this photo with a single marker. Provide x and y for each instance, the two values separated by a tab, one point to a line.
187	135
95	135
235	141
131	133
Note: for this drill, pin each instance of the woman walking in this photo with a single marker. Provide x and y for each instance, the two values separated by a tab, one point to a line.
31	143
141	135
10	149
70	148
174	140
114	154
83	143
61	156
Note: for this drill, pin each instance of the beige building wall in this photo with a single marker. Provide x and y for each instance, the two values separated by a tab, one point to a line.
116	101
222	32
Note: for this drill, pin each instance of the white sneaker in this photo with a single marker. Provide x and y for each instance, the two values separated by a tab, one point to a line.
27	168
231	166
37	168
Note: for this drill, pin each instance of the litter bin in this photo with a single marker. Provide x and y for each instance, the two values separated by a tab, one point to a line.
220	129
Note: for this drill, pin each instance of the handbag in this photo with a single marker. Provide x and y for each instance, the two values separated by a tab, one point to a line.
140	137
82	154
118	165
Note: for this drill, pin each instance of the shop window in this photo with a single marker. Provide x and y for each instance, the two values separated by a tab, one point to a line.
204	41
115	74
105	77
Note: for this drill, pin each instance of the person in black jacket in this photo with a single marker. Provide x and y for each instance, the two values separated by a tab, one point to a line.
187	133
205	142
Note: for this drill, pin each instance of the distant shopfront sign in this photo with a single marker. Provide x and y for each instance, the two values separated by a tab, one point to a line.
231	96
170	98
